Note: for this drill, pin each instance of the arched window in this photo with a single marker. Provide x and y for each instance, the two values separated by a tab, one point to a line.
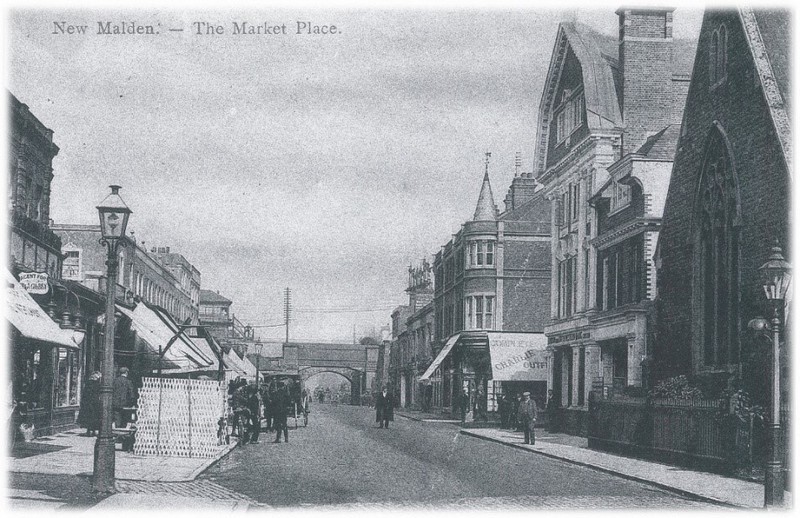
717	253
718	56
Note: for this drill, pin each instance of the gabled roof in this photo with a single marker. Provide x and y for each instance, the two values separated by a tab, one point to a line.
769	37
485	210
213	297
598	56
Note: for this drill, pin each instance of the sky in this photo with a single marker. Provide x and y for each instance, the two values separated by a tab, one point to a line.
323	163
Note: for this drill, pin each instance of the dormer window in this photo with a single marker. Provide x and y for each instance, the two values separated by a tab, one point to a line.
569	114
718	56
620	196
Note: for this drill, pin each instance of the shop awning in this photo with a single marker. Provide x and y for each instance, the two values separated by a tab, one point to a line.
517	356
30	319
448	346
155	330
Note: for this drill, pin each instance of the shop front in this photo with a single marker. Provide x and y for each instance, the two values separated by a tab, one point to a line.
46	361
488	364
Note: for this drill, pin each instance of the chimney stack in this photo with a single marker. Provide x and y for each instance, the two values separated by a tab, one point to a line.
645	55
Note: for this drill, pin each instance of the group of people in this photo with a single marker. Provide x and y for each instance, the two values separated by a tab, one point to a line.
122	400
274	402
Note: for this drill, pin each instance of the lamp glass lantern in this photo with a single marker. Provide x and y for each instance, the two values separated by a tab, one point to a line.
776	275
114	214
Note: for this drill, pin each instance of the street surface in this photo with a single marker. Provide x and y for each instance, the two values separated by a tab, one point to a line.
343	460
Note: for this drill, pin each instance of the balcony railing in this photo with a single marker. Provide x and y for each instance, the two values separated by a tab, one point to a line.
35	229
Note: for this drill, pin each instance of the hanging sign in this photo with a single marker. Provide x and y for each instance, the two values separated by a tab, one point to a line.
34	283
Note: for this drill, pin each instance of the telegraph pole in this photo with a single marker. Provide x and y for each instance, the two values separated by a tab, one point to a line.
287	310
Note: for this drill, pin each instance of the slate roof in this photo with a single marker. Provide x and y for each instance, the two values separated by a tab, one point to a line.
662	145
485	210
209	296
598	54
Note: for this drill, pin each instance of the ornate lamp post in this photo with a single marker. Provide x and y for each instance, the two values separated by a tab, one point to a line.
113	221
776	277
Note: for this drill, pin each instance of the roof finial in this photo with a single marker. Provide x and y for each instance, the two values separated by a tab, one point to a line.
486	161
517	163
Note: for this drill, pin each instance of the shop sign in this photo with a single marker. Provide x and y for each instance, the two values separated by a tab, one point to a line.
518	356
34	283
569	337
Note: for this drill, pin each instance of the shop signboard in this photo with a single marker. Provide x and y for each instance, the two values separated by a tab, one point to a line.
518	356
34	283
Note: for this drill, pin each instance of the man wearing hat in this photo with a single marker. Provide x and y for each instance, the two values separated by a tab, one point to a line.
124	396
527	414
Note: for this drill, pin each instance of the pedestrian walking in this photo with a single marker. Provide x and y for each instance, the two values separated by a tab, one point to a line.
517	424
384	408
89	414
254	406
266	398
463	405
280	411
502	409
527	415
122	398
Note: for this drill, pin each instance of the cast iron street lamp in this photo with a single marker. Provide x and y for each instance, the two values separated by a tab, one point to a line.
113	221
776	276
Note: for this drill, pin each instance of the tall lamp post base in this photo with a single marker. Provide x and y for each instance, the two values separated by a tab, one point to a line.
773	471
104	465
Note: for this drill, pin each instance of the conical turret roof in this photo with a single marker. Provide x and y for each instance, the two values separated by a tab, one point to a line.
486	210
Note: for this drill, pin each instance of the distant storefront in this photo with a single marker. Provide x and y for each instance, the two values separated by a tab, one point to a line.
489	364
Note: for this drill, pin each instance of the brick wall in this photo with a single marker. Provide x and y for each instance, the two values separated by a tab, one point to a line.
648	97
738	106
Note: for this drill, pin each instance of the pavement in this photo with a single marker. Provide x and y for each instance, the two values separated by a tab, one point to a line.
710	487
71	454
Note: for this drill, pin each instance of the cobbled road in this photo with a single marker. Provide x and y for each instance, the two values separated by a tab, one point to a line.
342	460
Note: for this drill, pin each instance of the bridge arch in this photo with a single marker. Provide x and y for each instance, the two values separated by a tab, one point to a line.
350	374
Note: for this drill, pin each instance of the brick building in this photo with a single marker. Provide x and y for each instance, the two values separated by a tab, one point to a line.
397	348
157	277
728	202
53	325
608	116
33	245
492	278
414	333
222	324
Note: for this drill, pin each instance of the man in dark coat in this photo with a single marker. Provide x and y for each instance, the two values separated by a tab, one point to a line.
384	408
502	409
266	396
463	405
89	415
124	397
527	416
254	406
280	410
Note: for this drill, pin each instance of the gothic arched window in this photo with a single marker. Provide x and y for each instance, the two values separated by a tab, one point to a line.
717	278
718	56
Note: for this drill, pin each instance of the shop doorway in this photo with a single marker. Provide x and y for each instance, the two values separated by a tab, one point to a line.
619	363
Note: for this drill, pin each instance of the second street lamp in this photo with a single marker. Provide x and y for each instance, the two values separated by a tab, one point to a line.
776	277
114	216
